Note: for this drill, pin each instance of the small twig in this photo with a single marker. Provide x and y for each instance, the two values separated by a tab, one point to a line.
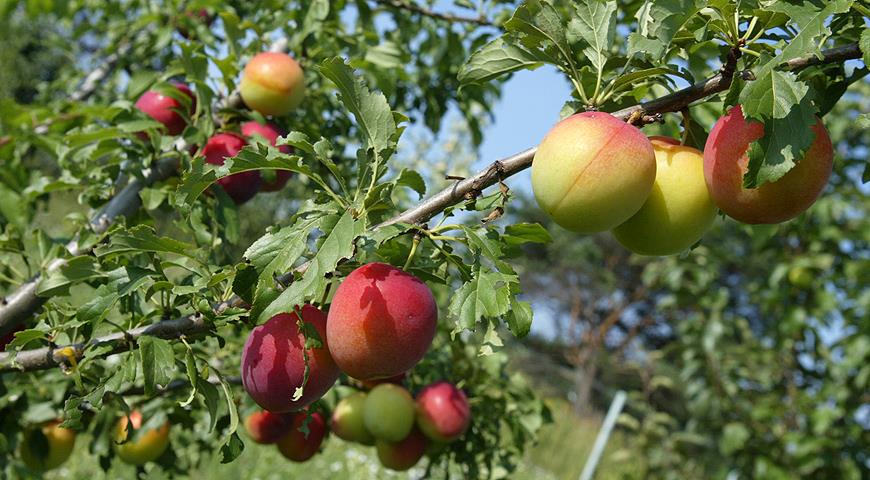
411	7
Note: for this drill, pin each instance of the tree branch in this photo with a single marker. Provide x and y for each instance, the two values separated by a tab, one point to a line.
49	357
43	358
412	7
674	102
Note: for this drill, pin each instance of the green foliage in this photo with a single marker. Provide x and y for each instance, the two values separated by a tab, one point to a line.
739	375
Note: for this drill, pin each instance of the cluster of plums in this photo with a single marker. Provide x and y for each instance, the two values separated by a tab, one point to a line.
272	84
380	324
594	172
401	428
49	445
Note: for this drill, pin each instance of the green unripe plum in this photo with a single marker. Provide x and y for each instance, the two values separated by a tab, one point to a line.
593	172
388	413
347	420
47	446
679	209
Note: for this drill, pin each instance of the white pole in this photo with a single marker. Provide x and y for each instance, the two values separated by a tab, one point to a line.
603	434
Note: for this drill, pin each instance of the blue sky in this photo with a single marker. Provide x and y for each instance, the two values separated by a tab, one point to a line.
529	107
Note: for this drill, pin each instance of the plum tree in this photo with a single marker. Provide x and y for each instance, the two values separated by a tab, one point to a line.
381	322
295	445
726	161
678	210
272	83
241	186
146	446
47	446
403	454
592	172
273	362
270	132
388	412
443	412
347	419
166	109
266	427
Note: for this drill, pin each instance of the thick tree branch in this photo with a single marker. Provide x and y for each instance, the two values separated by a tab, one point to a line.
466	189
44	358
412	7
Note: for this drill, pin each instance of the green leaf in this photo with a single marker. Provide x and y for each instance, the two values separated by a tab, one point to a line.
629	80
192	376
232	448
540	22
22	338
158	362
371	110
245	283
658	22
520	233
211	399
276	252
486	295
519	318
734	437
783	104
595	23
812	20
496	59
76	270
411	179
12	207
864	45
98	307
142	238
338	245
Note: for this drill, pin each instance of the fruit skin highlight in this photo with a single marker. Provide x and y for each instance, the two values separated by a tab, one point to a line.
60	442
443	412
381	322
725	163
388	412
679	209
272	83
295	446
271	133
241	186
592	172
164	109
273	365
347	420
405	453
146	447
